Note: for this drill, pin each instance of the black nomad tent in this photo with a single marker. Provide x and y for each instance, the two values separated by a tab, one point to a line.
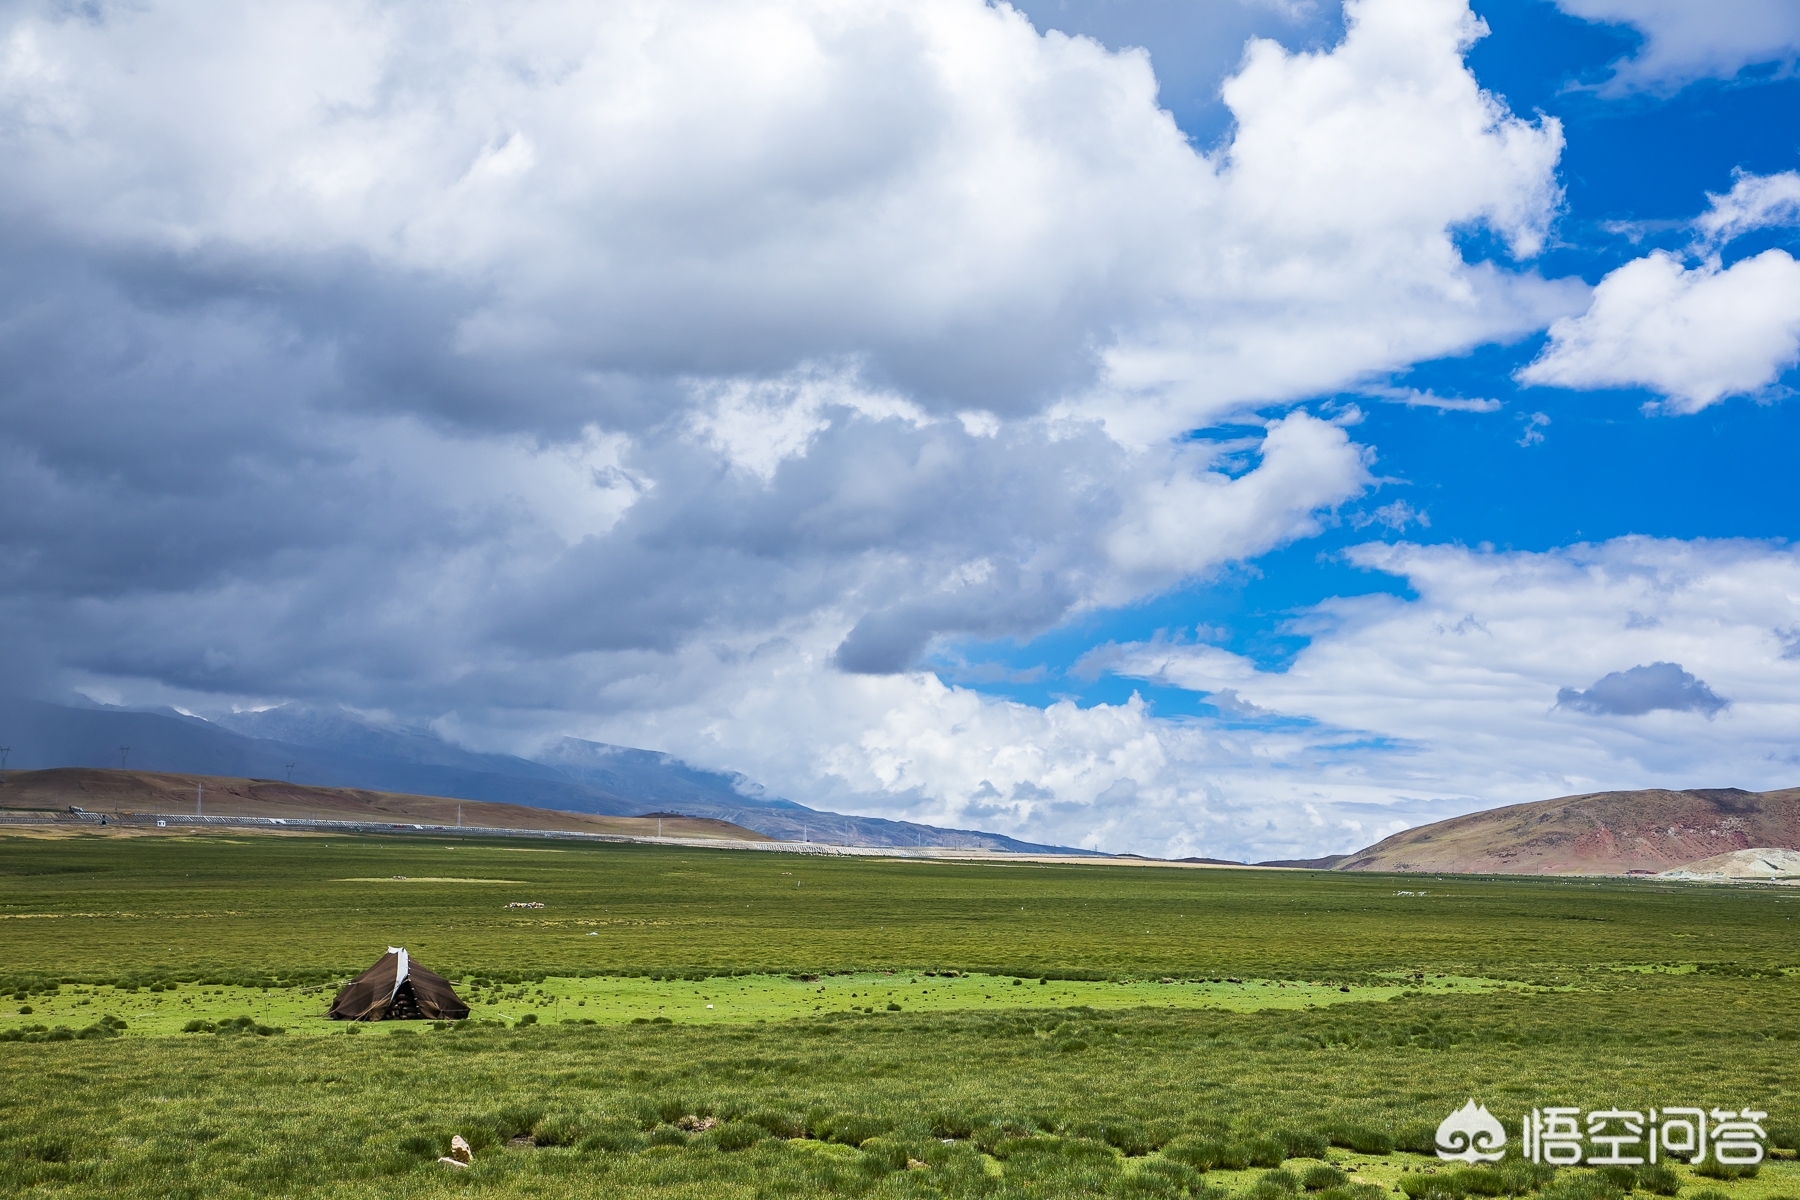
398	989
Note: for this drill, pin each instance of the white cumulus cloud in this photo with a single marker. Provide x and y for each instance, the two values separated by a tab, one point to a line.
986	217
1754	202
1187	521
1692	334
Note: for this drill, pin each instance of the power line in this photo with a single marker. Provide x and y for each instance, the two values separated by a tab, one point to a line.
4	751
290	772
124	752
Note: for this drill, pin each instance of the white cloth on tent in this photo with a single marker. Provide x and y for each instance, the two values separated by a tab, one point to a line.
399	971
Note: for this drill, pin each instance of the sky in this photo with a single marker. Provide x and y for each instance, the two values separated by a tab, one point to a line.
1239	428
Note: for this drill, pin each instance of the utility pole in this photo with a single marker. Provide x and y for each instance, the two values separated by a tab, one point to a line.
199	799
123	752
290	772
459	816
4	751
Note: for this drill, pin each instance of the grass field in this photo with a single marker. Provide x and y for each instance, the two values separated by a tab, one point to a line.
1035	1049
312	908
736	999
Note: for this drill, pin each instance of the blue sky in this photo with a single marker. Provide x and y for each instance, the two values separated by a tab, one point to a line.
1234	428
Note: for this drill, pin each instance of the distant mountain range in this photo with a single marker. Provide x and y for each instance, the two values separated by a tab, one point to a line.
1603	833
339	749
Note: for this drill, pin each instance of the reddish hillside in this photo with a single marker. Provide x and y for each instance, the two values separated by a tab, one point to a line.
109	791
1606	833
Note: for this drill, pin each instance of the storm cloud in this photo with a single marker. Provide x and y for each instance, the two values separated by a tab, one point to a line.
1632	693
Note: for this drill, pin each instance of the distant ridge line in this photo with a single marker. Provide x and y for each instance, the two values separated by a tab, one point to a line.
1327	863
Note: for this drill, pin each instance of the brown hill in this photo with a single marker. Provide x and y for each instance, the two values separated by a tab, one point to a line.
110	791
1605	833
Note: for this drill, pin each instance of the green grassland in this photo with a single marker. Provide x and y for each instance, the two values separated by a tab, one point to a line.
313	908
733	999
1035	1050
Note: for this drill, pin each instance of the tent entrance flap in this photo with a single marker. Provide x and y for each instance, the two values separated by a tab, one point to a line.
399	971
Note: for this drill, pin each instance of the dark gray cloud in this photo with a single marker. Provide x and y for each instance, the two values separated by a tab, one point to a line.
1632	693
893	639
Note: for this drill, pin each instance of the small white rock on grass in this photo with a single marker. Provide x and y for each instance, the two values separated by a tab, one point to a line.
460	1155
